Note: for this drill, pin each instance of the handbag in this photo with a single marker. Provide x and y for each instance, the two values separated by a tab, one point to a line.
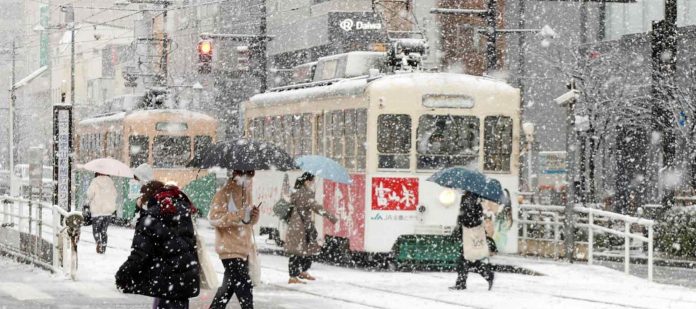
86	216
209	279
474	243
254	264
283	210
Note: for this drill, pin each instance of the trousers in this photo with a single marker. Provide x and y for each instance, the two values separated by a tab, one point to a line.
298	264
235	281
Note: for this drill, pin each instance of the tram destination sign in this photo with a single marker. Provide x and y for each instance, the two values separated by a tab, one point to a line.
62	149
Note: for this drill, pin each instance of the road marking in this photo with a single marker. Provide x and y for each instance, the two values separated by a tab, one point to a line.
94	290
21	291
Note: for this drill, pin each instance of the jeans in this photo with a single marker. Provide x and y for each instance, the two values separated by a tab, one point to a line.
299	264
99	226
235	281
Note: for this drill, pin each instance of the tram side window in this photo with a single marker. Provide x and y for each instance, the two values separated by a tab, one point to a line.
336	136
361	134
201	144
446	140
296	135
394	141
319	136
497	143
306	138
350	138
257	129
139	149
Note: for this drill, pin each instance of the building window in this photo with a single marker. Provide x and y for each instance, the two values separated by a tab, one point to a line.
394	141
497	143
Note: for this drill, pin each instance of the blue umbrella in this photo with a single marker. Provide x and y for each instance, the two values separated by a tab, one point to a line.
471	181
324	167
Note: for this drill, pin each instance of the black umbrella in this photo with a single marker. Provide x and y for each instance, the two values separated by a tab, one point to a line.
245	155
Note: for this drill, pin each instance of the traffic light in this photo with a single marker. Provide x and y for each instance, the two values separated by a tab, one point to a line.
205	55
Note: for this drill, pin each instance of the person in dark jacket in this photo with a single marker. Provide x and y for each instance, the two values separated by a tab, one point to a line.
163	262
470	216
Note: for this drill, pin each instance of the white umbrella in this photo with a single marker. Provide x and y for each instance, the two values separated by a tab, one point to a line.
109	166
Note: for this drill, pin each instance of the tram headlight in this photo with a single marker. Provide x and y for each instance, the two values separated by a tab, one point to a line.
448	197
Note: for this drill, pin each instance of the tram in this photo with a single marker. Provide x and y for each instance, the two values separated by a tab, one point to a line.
391	131
167	139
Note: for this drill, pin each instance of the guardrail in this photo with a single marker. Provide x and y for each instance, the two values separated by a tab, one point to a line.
553	217
39	232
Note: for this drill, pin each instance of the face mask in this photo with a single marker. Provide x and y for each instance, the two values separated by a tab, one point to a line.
242	181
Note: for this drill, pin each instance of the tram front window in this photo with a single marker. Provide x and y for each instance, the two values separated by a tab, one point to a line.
446	140
171	151
394	141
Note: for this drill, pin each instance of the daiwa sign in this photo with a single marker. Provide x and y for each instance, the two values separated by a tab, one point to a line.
350	24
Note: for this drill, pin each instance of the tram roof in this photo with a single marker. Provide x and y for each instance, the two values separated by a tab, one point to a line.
357	86
140	114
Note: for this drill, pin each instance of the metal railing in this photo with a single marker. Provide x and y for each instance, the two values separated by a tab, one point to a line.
551	218
30	228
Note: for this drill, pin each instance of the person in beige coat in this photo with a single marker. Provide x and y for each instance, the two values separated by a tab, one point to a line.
233	216
101	198
301	240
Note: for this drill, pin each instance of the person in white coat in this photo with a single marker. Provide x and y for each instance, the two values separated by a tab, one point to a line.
101	196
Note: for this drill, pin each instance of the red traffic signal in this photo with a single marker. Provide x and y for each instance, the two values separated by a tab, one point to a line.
205	55
205	47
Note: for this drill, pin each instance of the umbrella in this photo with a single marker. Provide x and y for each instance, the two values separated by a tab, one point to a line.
244	155
109	166
324	167
471	181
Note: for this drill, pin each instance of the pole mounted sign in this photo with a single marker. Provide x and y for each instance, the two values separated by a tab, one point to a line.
62	154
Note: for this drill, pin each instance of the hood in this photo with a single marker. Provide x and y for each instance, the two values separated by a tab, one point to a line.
171	201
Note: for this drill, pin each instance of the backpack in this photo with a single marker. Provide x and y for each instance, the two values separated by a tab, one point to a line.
283	210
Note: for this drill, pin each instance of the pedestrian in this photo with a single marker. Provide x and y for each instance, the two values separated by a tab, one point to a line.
101	198
233	217
470	227
301	240
163	262
143	174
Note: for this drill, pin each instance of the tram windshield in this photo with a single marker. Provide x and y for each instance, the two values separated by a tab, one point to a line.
446	140
171	151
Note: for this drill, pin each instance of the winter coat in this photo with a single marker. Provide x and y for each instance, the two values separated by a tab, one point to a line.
470	215
233	238
298	240
101	196
163	261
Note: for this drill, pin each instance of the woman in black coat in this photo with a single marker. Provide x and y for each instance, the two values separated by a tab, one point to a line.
470	216
163	262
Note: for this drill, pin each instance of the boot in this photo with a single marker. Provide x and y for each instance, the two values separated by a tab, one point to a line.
295	280
306	276
489	278
460	284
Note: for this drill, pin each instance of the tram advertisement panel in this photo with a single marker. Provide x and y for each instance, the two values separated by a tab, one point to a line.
348	203
394	193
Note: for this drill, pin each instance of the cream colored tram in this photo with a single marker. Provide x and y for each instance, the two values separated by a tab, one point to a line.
166	139
391	132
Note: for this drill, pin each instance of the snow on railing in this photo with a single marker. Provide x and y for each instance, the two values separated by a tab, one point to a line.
29	217
553	216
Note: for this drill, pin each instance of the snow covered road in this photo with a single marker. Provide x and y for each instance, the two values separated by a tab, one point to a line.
561	286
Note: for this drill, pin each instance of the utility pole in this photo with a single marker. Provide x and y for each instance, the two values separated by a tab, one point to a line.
13	99
165	45
664	63
263	47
